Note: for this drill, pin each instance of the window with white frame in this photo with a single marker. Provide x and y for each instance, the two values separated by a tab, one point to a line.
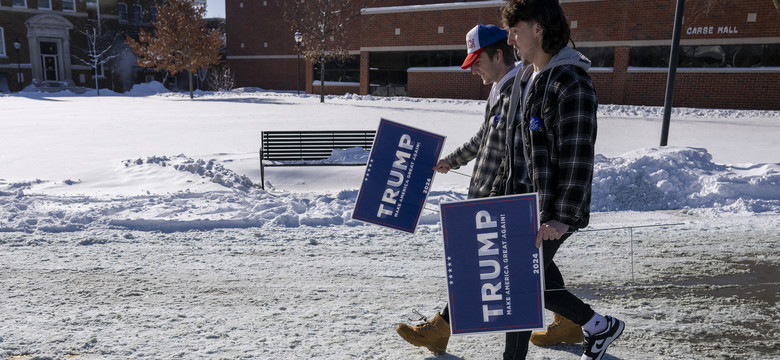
68	5
2	43
44	4
121	9
138	13
19	3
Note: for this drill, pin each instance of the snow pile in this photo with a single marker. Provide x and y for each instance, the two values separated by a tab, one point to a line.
680	177
211	170
150	88
347	156
657	112
402	99
643	180
236	203
354	155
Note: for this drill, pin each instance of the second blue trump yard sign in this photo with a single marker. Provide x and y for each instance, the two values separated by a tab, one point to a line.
398	176
494	269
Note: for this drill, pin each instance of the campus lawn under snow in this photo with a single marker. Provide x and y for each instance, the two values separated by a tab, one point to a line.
132	227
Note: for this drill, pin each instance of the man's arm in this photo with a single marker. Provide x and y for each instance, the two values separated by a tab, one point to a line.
468	151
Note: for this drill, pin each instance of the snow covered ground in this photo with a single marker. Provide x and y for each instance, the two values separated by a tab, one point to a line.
132	227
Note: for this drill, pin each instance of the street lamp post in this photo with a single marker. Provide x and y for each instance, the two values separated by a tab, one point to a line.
298	42
17	46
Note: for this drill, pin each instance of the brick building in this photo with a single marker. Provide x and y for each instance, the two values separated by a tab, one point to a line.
729	55
42	43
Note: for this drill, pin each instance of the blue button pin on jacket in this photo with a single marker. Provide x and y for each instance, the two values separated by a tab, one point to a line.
535	123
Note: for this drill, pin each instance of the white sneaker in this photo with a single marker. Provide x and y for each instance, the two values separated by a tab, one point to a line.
596	345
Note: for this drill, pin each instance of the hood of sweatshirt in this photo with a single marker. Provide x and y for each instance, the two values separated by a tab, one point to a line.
568	56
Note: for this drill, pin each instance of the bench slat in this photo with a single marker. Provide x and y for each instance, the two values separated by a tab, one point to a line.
315	147
295	148
314	132
308	135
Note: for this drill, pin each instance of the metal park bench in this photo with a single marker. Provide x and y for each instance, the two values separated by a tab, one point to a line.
309	148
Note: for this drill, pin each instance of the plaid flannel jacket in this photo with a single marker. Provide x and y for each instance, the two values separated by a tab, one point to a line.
557	133
560	152
487	146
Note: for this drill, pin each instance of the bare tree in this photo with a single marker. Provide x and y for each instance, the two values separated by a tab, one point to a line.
323	24
701	9
221	78
99	52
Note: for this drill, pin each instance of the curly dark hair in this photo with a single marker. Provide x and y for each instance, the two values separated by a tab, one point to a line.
548	13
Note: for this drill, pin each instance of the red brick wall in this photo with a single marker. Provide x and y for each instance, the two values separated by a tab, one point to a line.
256	25
610	84
646	20
364	72
654	20
422	28
741	90
277	74
451	85
597	21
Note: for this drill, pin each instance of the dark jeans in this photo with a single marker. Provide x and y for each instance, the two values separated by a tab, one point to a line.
556	299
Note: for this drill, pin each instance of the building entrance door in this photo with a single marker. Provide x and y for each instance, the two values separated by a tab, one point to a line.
50	61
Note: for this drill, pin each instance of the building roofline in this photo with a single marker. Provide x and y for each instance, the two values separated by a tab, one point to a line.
667	42
443	6
429	7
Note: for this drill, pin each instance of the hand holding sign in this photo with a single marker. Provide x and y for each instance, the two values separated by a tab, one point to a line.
494	270
398	176
443	166
551	230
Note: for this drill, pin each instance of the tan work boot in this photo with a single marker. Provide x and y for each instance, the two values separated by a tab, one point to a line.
433	334
562	330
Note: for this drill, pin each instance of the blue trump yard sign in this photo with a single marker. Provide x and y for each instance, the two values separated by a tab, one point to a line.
398	176
495	277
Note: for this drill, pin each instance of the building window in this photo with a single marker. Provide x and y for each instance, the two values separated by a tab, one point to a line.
708	56
68	5
390	68
771	55
435	58
599	56
2	43
92	4
340	71
649	56
138	13
388	72
44	4
153	13
19	3
121	9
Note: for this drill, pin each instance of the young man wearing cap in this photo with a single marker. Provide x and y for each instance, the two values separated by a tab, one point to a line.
491	58
551	134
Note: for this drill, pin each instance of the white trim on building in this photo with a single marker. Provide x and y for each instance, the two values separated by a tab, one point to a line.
444	6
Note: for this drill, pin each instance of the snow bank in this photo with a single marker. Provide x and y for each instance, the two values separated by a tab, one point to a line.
150	88
643	180
680	177
657	112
